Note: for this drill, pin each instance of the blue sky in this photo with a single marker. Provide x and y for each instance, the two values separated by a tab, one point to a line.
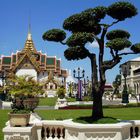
47	14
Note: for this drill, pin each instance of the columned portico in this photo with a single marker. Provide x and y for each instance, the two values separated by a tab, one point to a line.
133	77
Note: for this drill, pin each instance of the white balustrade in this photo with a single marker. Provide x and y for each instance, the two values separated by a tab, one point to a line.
135	130
68	130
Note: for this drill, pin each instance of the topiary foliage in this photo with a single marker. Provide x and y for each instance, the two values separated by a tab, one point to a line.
75	53
97	13
79	39
82	22
54	35
136	48
121	10
117	34
118	44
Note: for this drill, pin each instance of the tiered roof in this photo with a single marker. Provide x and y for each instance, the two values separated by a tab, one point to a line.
40	61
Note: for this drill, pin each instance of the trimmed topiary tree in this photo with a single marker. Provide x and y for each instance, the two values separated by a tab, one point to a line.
87	27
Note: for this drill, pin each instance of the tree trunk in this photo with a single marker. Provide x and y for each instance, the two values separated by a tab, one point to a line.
97	91
97	109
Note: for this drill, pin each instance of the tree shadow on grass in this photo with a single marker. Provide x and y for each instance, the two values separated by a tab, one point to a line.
89	120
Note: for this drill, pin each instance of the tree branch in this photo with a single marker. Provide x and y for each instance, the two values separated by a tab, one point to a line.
126	53
109	25
112	52
101	54
111	63
63	43
96	38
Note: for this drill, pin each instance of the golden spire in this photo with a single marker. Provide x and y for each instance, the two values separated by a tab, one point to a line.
29	36
29	45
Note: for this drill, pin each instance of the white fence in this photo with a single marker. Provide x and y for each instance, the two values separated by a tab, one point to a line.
68	130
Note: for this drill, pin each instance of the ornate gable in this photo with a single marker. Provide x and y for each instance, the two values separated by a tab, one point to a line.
27	60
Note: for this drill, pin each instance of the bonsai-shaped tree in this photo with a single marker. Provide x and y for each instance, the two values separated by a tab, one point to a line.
23	88
61	92
116	85
88	26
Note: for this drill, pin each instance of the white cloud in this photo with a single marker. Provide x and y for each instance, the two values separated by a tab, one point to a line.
126	50
93	44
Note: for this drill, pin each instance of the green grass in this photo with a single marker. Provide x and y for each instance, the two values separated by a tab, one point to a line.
52	101
132	113
47	101
119	113
62	114
71	99
3	120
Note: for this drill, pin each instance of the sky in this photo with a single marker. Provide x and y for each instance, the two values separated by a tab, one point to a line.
48	14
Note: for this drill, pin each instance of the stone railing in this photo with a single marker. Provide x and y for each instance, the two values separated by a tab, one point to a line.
135	130
52	130
68	130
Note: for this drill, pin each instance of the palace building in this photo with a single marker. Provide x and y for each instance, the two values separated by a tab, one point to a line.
29	61
131	70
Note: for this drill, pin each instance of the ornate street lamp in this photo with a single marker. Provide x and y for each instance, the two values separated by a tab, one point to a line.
125	72
70	88
85	84
80	75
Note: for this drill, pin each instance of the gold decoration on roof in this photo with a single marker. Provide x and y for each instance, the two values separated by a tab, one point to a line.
50	76
31	57
52	79
29	45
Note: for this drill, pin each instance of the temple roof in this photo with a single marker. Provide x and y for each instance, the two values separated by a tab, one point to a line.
29	45
31	58
29	54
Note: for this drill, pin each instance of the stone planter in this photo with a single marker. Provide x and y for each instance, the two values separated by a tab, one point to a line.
61	103
19	119
30	103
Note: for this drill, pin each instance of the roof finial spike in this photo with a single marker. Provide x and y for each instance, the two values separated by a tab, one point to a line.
29	37
29	28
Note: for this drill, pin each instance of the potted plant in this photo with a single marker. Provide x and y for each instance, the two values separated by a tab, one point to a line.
61	92
24	91
61	101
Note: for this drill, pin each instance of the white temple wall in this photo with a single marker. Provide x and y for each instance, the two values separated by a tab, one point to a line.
31	72
42	76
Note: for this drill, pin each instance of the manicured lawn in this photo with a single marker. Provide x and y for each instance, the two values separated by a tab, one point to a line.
123	113
3	120
47	101
71	99
119	113
132	113
62	114
52	101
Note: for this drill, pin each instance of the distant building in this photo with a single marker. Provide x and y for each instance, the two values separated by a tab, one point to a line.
108	88
31	62
132	68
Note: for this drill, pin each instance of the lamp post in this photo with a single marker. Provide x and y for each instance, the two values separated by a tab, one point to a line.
70	88
79	77
86	81
125	93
